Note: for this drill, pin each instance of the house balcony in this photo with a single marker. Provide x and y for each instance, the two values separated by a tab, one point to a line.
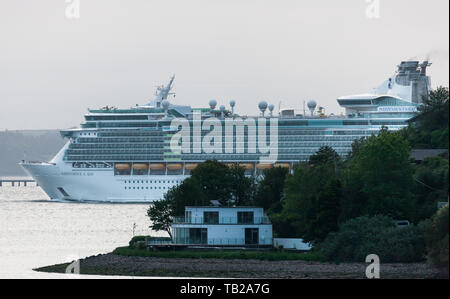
221	221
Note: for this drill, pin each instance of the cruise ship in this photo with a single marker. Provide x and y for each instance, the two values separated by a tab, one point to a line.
138	154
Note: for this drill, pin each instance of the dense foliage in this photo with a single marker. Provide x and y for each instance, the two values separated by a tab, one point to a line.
378	179
430	128
312	198
437	239
359	237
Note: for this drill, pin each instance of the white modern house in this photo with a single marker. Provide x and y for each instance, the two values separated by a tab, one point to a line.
222	226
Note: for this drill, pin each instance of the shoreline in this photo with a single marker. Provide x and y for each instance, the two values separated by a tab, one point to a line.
111	264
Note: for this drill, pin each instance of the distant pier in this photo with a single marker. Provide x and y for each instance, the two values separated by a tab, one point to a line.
17	182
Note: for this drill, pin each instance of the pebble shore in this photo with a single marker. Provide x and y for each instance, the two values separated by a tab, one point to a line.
112	264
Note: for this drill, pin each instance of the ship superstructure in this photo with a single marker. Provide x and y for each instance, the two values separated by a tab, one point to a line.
129	155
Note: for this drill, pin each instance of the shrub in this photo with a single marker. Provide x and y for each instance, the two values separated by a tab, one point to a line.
437	239
362	236
133	242
140	242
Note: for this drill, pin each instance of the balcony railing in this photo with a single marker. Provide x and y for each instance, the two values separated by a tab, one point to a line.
222	242
221	220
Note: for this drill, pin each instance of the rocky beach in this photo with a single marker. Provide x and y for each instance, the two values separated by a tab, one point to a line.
112	264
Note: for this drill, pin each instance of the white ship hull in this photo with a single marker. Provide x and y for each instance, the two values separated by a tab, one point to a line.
61	182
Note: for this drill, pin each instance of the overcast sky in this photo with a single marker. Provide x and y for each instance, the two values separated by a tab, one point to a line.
52	68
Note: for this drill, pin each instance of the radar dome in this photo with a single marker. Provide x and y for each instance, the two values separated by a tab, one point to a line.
312	104
262	106
222	108
212	104
271	107
232	103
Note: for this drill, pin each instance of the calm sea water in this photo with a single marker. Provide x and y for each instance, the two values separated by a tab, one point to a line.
36	232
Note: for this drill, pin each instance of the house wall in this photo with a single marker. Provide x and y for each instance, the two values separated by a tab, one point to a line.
225	213
232	234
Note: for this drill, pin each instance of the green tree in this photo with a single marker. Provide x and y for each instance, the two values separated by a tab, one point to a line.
270	190
242	187
437	239
302	204
328	211
215	181
325	155
161	216
361	236
378	180
430	186
429	129
188	193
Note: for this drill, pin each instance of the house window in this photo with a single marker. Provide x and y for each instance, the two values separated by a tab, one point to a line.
211	217
245	217
198	235
188	216
251	236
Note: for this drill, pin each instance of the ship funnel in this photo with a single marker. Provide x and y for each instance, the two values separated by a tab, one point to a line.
423	68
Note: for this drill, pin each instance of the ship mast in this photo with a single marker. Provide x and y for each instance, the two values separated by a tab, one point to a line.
163	92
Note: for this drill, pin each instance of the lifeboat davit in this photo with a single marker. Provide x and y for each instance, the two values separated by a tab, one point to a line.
261	166
191	166
140	166
174	166
247	166
122	166
157	166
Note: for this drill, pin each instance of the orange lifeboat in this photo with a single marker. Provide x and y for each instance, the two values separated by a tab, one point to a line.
140	166
260	166
283	165
174	166
247	166
191	166
122	166
157	166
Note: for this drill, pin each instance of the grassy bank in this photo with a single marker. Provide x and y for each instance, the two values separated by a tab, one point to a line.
270	255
